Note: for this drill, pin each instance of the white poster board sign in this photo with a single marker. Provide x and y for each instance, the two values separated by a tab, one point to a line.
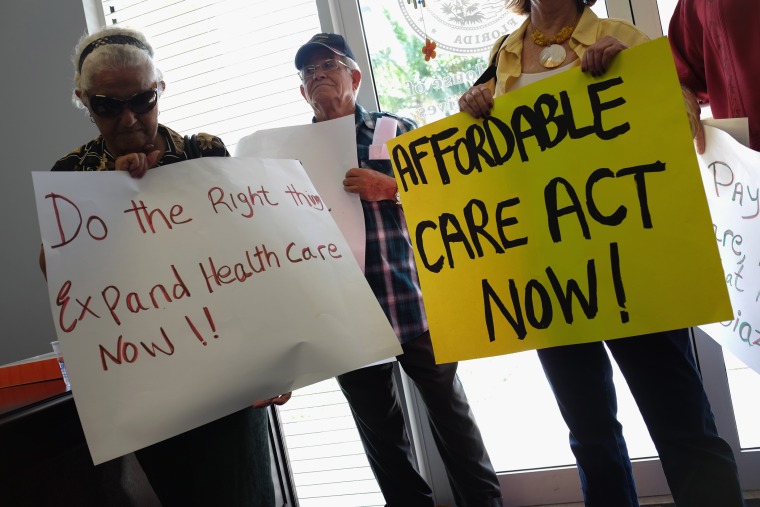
731	175
193	292
327	150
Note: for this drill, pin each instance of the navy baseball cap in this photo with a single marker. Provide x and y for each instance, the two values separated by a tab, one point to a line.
332	41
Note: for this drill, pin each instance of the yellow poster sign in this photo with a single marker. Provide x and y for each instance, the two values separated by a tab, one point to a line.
574	213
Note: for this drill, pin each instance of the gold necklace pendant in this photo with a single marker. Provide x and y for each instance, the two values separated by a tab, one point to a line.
552	56
542	40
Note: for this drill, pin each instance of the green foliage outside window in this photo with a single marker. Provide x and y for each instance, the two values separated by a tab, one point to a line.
425	91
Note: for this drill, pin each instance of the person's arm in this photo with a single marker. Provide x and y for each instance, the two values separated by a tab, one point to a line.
374	185
478	100
371	185
685	36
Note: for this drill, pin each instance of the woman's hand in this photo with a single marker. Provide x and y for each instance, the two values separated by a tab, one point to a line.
137	164
277	400
371	185
599	55
477	101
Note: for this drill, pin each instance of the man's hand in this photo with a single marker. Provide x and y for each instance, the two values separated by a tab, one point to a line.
371	185
137	164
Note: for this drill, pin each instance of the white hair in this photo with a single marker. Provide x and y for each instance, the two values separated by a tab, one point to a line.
111	48
352	65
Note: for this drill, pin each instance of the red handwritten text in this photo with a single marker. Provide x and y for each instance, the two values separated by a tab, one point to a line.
63	301
129	352
257	262
308	254
195	329
135	303
231	201
96	227
146	217
305	199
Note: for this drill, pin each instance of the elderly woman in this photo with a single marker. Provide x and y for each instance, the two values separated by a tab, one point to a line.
226	462
660	368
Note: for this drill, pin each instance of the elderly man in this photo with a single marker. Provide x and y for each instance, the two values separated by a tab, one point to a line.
330	80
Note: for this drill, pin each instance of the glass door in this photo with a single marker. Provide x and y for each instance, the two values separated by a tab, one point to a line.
524	432
731	384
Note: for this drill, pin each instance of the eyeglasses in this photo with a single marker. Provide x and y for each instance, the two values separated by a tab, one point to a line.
308	71
110	107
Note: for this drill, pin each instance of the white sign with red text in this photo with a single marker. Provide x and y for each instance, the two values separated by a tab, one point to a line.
193	292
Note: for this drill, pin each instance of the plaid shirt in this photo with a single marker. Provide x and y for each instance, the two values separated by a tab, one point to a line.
389	259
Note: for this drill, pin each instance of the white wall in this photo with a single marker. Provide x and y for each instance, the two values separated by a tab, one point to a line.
39	125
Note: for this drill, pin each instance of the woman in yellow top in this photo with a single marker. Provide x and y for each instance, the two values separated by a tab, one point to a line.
660	368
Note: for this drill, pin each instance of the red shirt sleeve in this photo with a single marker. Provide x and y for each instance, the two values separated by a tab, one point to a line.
685	34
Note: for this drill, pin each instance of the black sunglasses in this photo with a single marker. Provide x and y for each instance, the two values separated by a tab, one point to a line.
110	107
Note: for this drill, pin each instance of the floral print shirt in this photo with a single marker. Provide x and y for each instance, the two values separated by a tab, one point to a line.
94	156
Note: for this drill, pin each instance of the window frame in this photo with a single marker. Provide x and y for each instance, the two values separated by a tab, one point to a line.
522	487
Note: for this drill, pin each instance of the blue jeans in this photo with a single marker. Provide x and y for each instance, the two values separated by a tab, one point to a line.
662	374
